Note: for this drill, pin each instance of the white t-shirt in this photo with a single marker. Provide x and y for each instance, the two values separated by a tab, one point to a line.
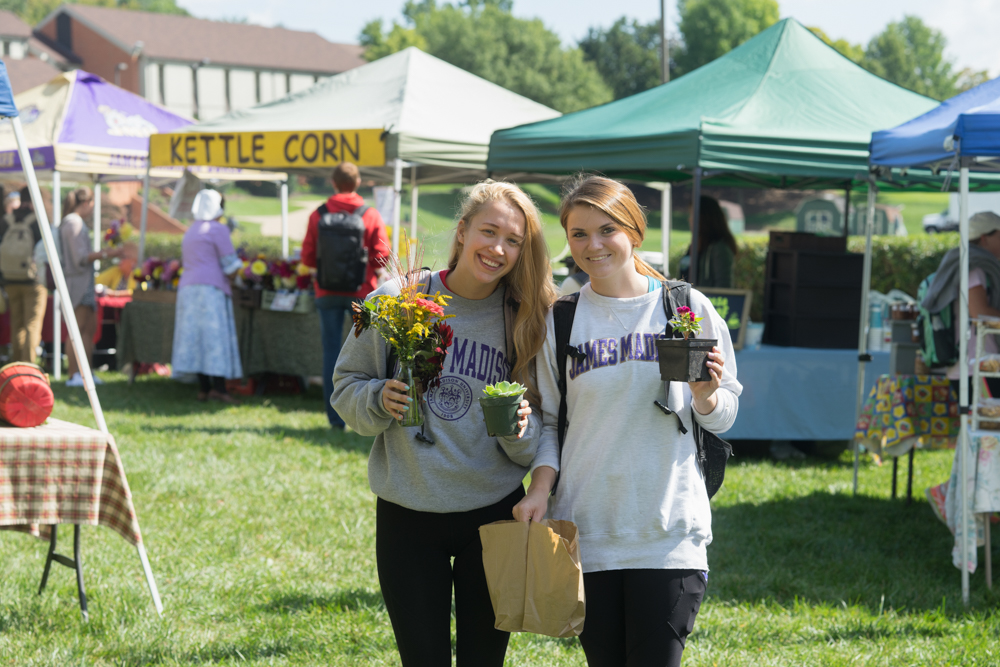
629	479
977	278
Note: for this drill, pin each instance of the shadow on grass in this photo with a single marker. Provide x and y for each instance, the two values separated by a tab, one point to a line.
323	437
347	600
162	396
837	548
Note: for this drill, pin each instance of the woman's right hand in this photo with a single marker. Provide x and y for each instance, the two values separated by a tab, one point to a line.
394	398
535	503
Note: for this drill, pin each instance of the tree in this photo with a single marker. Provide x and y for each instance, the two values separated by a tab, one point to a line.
911	54
627	55
484	38
854	52
712	28
33	11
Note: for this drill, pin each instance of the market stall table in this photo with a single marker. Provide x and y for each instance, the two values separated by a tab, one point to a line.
63	473
269	341
797	393
908	412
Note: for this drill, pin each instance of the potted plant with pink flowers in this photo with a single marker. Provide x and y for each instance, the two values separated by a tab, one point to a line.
684	358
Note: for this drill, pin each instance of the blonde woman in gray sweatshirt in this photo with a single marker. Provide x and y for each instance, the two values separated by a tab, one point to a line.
435	491
628	476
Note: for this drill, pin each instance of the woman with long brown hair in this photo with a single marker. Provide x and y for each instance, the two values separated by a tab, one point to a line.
628	473
716	246
78	267
436	489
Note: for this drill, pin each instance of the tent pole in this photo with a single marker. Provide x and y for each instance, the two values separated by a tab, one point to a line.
144	216
97	222
397	201
847	207
863	356
665	214
284	219
56	310
963	377
414	194
695	219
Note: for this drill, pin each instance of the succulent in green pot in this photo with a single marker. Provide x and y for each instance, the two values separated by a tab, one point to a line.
500	405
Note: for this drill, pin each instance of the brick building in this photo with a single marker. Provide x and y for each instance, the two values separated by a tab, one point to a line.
30	62
195	67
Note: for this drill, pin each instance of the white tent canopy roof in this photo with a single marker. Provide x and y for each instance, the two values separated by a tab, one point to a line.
436	115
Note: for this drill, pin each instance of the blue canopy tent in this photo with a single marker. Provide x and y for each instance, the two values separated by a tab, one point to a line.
963	133
9	111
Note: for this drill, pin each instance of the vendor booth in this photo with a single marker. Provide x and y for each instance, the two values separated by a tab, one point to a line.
33	460
407	110
962	133
782	110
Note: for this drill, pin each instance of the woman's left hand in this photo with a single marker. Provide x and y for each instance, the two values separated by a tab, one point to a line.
522	423
703	393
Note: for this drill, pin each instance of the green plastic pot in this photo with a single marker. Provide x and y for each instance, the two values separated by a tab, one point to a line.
501	414
684	360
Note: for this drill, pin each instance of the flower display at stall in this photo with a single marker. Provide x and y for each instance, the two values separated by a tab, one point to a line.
158	274
686	322
260	272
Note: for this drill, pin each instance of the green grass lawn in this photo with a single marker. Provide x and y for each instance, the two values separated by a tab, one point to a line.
260	528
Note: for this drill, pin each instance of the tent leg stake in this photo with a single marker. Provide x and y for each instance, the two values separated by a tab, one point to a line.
895	468
909	478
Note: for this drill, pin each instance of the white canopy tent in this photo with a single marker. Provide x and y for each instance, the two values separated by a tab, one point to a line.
419	112
9	110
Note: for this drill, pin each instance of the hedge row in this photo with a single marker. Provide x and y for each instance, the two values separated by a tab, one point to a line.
900	262
167	246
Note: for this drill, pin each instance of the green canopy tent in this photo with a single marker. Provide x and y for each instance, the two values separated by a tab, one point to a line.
782	110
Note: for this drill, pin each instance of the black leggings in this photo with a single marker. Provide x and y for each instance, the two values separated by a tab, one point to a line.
210	382
414	551
640	618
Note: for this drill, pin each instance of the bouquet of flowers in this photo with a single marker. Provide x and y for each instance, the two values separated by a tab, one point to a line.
413	324
118	233
686	322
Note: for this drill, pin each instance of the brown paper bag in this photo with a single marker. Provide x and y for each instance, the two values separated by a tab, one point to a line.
534	576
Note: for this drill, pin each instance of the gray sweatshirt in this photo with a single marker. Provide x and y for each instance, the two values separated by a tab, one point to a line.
629	479
465	468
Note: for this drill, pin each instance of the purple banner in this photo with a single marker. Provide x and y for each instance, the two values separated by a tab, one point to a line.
43	158
102	115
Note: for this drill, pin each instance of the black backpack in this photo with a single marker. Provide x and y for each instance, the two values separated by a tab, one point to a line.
341	254
713	451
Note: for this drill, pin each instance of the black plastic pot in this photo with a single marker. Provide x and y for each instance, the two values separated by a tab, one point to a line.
684	360
501	414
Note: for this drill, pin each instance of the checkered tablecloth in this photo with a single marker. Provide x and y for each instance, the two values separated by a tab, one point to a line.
63	473
906	411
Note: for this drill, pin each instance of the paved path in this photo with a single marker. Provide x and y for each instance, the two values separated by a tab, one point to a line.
270	225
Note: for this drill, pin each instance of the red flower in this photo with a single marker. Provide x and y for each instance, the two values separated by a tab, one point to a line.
430	306
445	333
683	310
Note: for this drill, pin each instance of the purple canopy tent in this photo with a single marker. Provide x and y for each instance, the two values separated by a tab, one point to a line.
25	158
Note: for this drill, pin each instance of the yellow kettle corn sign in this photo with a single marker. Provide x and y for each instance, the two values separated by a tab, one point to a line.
268	150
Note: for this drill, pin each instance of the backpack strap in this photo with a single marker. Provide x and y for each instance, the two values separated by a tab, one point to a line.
510	308
360	211
675	294
322	210
563	312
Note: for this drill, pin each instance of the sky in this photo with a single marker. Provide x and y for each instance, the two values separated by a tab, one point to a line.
970	26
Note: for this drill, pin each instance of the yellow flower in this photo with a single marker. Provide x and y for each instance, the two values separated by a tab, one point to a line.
126	231
157	272
303	270
259	267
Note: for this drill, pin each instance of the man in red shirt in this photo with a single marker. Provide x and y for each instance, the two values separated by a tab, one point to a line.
333	306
